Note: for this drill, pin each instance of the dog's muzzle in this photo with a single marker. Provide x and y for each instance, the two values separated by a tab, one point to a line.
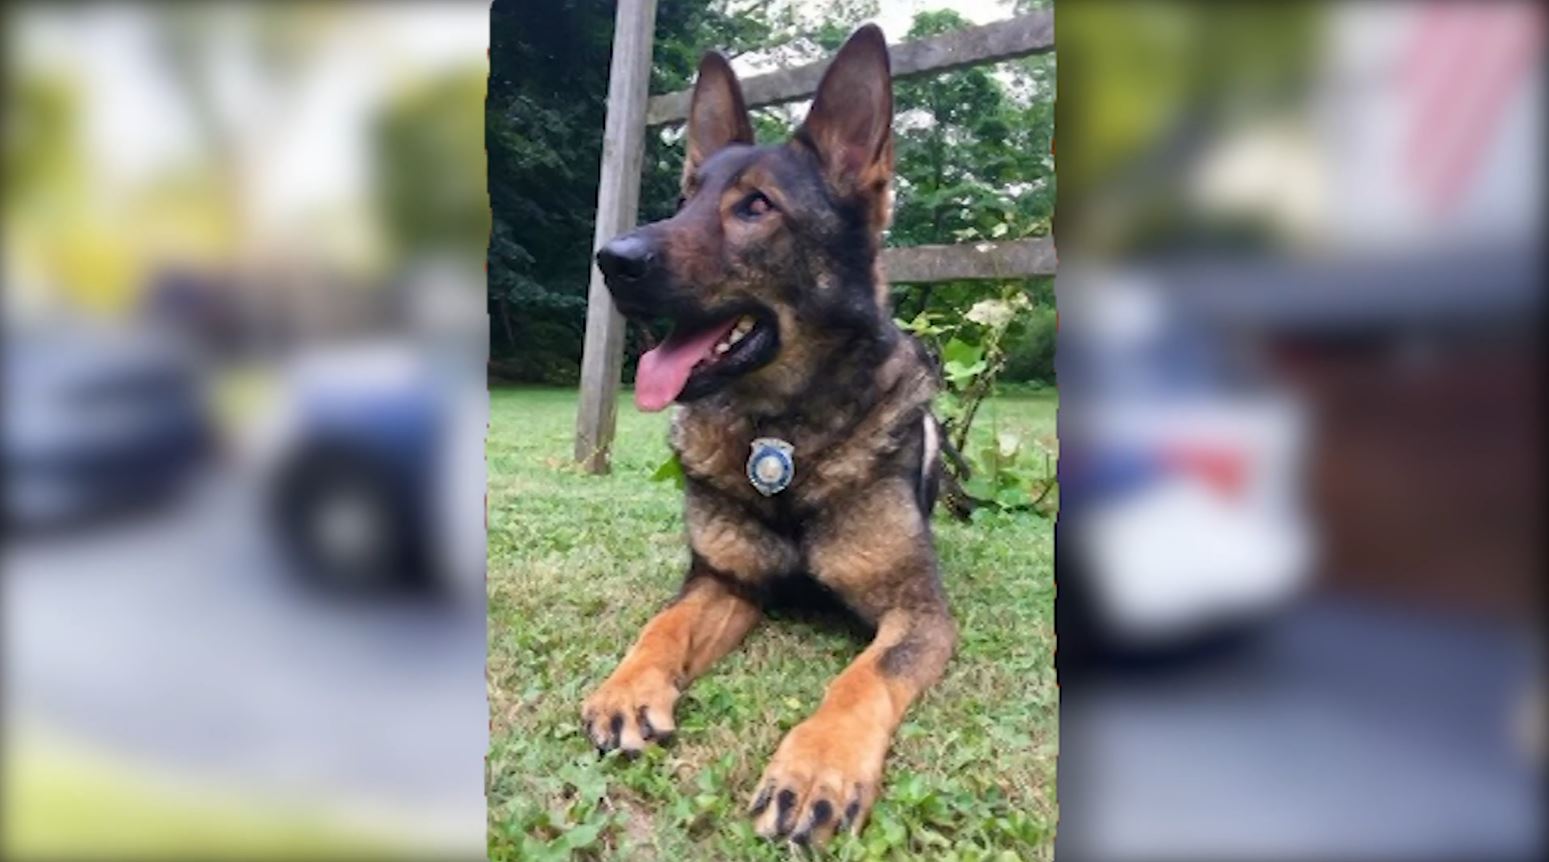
628	258
633	271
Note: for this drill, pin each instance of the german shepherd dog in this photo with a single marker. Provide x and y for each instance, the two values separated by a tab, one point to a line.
782	332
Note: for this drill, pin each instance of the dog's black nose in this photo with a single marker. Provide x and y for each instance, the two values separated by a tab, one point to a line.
627	258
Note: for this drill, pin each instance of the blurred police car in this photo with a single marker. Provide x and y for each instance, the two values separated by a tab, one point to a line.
374	458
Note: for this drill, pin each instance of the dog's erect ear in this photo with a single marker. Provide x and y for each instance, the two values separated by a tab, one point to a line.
717	116
850	126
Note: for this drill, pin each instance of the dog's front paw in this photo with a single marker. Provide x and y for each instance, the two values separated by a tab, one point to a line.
824	777
633	707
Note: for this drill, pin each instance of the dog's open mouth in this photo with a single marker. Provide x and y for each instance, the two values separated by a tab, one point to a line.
695	360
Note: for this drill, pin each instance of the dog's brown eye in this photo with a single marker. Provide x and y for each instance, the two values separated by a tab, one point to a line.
754	206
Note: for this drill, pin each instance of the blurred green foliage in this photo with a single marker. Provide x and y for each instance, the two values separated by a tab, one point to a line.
429	160
42	156
1147	86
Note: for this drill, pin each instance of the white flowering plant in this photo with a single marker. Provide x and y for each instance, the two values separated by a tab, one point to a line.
1003	471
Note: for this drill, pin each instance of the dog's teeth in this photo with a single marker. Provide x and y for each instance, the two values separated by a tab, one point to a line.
744	324
722	348
737	336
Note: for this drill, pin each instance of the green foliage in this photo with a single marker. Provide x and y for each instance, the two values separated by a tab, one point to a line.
1030	349
543	130
577	564
671	470
42	153
975	163
972	148
1006	471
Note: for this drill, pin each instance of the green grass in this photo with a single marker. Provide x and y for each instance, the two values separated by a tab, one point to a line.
577	564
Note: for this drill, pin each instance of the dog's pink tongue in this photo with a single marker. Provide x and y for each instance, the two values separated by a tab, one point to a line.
664	370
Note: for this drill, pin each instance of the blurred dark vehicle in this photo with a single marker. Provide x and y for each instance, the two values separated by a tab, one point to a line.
98	422
363	472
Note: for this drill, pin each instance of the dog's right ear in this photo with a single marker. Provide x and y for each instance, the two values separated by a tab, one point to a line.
849	127
717	116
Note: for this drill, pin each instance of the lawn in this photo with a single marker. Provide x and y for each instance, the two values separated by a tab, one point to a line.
577	564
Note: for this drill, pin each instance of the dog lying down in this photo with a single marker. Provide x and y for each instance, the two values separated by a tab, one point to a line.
803	429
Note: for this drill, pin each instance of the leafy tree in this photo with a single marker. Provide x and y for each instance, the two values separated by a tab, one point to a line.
543	132
1155	84
972	148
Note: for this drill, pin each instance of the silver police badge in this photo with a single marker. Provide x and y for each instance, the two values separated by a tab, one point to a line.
770	467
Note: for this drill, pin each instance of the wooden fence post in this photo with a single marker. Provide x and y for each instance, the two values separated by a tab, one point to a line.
618	206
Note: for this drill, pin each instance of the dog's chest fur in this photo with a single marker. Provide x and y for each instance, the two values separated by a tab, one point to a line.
847	438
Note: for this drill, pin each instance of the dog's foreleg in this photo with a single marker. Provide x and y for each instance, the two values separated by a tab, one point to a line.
875	553
635	704
827	772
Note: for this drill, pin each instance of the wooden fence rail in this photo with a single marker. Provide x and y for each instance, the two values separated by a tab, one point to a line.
969	261
631	110
989	43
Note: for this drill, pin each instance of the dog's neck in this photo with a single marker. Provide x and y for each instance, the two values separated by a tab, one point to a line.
880	380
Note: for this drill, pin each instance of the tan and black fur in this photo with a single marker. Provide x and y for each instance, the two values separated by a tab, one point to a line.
790	234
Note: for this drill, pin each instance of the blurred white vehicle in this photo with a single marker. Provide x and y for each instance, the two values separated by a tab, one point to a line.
1180	514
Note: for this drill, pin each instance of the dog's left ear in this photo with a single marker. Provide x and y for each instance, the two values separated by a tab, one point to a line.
850	126
717	115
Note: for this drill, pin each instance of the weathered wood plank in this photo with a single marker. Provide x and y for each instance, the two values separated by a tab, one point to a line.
977	261
618	205
989	43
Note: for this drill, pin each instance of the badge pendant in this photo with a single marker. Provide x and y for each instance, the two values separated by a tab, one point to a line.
770	467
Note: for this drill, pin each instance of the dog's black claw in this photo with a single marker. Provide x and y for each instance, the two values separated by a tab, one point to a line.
616	726
821	812
783	805
646	730
760	802
852	811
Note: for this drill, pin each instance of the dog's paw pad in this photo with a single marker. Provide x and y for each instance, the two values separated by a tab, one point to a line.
628	711
818	783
